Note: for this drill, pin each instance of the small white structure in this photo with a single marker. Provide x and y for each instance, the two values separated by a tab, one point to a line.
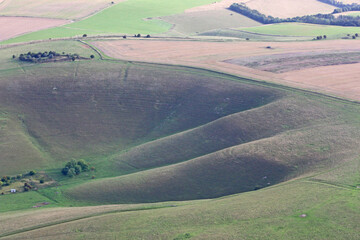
13	190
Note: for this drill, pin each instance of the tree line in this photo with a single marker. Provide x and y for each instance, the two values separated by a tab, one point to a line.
324	19
342	7
48	56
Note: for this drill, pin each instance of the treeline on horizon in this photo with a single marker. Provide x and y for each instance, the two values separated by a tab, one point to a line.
342	7
324	19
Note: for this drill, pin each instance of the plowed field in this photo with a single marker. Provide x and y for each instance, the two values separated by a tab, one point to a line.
212	55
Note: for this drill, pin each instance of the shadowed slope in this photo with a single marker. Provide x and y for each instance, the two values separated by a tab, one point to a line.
269	120
83	108
323	143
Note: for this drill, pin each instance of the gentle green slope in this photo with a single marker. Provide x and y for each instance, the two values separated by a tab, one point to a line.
158	133
20	150
288	138
128	17
303	29
331	213
93	109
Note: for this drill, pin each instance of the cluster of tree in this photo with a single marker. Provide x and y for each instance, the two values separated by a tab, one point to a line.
46	56
73	168
342	7
27	187
324	19
7	180
320	37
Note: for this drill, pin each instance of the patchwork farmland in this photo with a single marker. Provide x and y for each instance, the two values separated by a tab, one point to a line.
216	55
151	119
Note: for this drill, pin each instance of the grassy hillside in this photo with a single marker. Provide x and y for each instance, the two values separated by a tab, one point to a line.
253	36
159	133
235	129
94	108
331	213
254	149
20	150
195	22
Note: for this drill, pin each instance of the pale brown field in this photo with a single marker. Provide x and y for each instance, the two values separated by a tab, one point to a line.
211	55
340	79
289	8
350	1
65	9
14	26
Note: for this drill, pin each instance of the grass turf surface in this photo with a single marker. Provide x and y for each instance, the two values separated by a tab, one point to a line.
127	17
233	217
303	29
331	213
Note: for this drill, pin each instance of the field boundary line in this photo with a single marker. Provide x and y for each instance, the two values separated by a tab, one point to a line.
45	225
92	47
249	80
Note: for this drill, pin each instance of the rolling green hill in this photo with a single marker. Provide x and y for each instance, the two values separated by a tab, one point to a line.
93	108
303	29
254	149
269	161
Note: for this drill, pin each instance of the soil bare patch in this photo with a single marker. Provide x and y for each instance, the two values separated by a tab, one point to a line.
14	26
64	9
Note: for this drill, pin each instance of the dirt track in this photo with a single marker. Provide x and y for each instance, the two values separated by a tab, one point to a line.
211	55
14	26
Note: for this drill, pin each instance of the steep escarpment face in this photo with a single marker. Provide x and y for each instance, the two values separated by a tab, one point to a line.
76	109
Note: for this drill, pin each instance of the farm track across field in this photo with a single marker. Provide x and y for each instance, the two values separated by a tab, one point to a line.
79	218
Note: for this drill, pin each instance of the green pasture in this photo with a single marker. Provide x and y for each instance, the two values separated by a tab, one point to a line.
352	13
330	212
128	17
303	29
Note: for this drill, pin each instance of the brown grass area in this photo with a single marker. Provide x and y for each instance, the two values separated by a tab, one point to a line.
289	8
67	9
211	55
14	26
342	79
